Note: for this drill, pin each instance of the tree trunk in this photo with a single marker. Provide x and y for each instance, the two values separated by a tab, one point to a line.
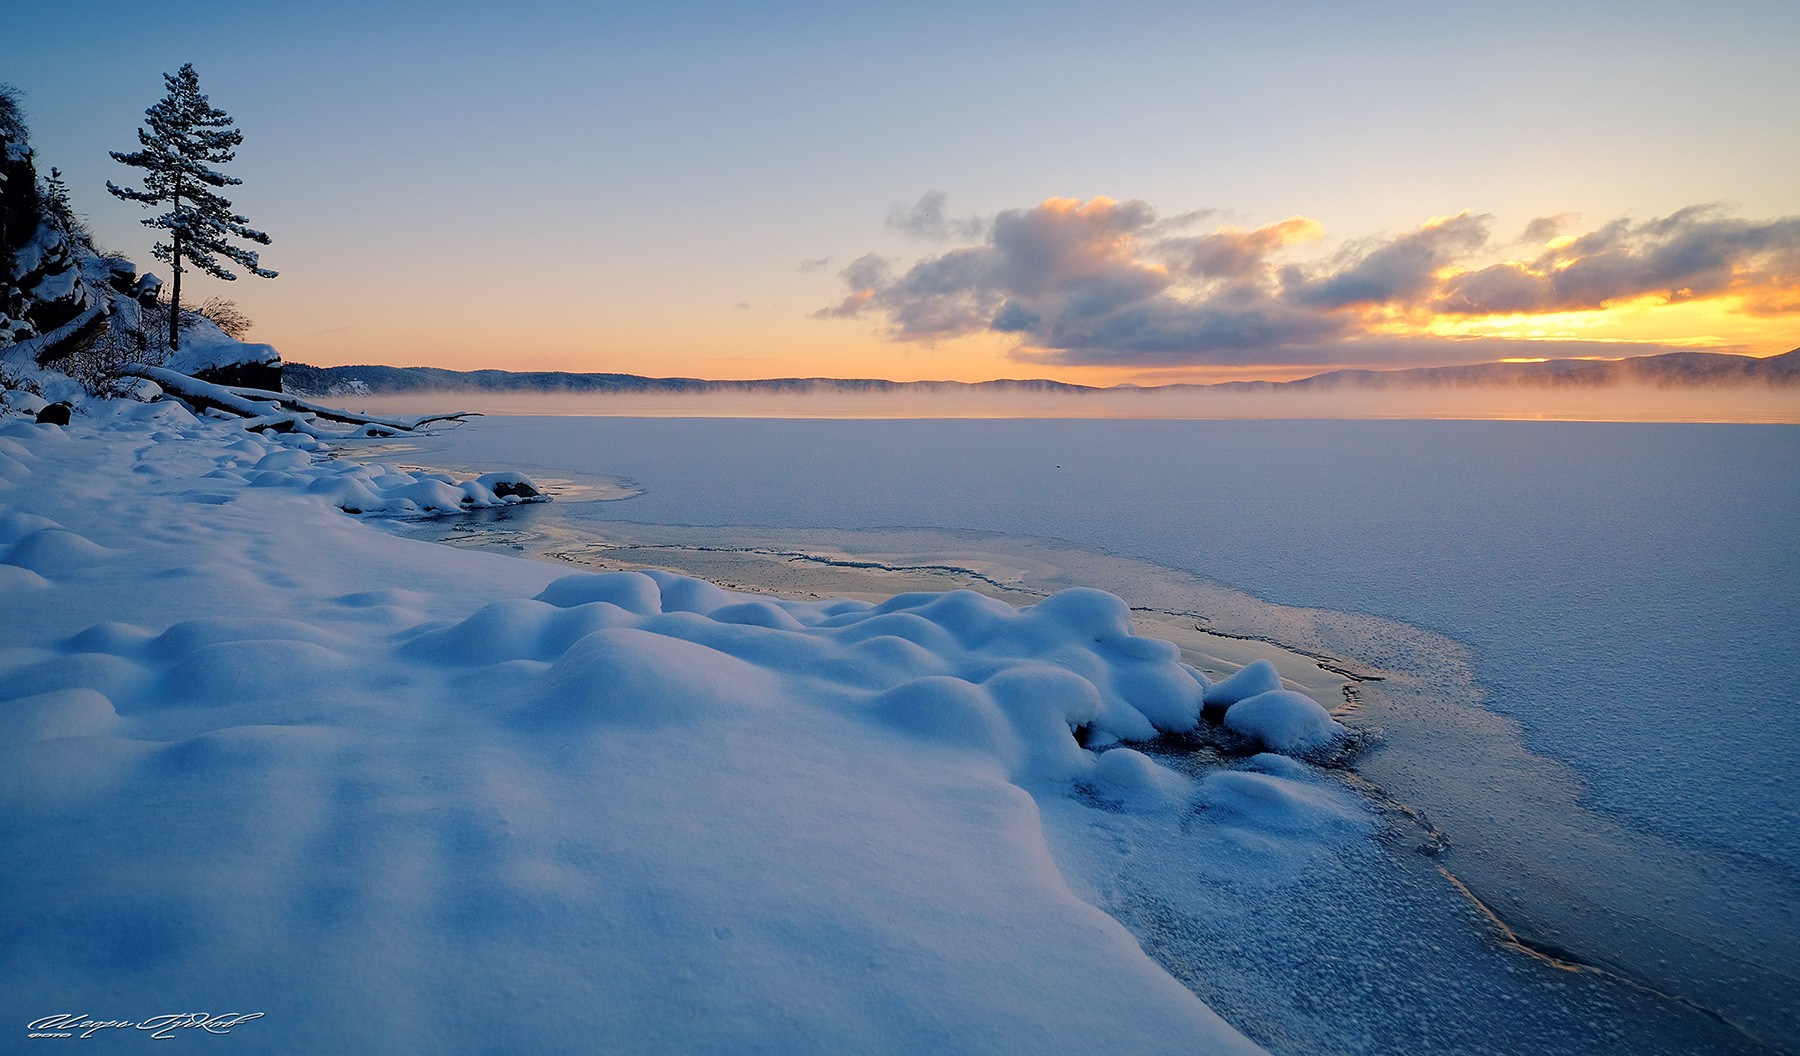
175	293
278	410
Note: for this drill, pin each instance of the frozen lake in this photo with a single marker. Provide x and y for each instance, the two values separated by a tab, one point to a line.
1628	594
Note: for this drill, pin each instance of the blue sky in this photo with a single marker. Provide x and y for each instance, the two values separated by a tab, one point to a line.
642	187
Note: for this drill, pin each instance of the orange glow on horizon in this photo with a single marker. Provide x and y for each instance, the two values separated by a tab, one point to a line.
1718	323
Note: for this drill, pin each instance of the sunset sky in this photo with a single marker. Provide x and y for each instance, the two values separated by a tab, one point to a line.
1128	192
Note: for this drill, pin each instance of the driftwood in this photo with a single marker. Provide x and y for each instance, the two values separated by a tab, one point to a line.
263	409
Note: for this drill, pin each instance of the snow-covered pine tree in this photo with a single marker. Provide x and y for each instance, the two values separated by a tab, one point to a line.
184	136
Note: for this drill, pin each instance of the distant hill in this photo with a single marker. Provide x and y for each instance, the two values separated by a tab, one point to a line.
1670	370
377	380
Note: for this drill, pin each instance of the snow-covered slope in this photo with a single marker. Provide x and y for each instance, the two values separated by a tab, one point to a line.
261	759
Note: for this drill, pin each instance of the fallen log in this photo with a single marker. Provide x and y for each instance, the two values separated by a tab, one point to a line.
264	409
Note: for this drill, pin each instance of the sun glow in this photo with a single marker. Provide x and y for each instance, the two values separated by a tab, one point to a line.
1716	323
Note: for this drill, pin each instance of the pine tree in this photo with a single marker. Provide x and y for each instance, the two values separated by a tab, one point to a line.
184	136
55	198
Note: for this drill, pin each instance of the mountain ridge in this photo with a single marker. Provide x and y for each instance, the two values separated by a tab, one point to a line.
1668	369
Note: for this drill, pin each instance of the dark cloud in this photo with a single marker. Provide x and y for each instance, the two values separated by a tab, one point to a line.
929	219
1165	331
815	264
1107	282
1400	270
1061	263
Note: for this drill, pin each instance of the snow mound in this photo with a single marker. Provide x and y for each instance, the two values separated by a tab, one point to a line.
1106	676
1042	702
21	402
52	550
1278	800
1258	676
1131	776
635	592
1284	721
947	711
12	577
185	637
633	677
384	489
16	526
59	713
233	672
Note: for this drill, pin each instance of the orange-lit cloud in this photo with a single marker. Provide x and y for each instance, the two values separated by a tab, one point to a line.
1102	283
1238	253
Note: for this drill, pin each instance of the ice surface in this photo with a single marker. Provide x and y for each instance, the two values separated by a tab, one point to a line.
1585	562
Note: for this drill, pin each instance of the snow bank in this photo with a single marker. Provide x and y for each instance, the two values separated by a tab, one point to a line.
452	802
295	462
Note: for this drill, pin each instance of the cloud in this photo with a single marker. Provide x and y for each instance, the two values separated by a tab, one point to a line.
1105	282
1544	228
1073	280
815	264
1690	255
1234	253
1399	270
927	219
864	274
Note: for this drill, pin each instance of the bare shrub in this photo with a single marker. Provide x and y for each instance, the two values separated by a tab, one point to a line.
124	337
225	315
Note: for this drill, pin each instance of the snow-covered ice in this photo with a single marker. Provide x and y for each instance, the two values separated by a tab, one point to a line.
261	759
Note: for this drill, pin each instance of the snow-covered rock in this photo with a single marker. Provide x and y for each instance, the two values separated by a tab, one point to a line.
209	354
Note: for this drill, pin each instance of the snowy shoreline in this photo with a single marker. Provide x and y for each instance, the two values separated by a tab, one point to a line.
321	771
